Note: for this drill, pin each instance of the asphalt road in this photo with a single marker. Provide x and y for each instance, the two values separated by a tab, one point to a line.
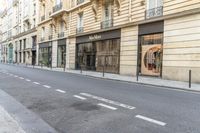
73	103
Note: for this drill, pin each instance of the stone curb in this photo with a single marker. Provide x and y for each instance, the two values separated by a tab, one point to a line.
97	77
27	120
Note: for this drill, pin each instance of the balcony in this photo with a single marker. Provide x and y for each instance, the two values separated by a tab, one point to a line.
34	46
61	34
43	18
57	7
50	37
79	1
79	30
107	24
155	12
42	39
26	18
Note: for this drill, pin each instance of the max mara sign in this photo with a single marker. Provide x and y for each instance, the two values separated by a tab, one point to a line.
94	37
99	36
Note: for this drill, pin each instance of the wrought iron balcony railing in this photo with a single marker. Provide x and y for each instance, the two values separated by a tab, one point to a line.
50	37
43	18
79	1
155	12
57	7
34	46
107	24
79	30
42	39
61	34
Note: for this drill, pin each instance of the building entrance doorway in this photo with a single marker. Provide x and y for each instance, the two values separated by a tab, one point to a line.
33	57
61	56
151	54
10	56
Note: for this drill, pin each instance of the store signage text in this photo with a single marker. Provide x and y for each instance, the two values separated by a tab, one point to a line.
94	37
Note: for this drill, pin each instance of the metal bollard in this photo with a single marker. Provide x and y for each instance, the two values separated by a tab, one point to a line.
64	68
103	71
81	70
190	78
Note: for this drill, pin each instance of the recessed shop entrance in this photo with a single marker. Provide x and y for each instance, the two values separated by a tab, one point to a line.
151	54
99	53
150	49
61	53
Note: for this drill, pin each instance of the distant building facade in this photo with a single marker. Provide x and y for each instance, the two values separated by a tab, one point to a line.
19	23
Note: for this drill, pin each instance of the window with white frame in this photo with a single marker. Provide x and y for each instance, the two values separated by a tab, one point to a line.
154	8
61	26
43	32
107	15
151	4
80	21
58	2
107	12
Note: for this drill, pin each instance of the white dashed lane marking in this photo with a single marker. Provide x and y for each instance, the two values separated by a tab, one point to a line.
61	91
79	97
108	101
16	76
107	106
21	77
28	80
46	86
150	120
36	83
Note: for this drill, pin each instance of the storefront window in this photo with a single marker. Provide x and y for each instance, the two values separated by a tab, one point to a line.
61	55
151	54
45	56
99	55
151	39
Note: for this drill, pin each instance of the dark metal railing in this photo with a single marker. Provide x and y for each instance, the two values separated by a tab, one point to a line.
79	30
34	46
50	37
57	7
79	1
42	39
43	18
155	12
50	13
107	24
61	34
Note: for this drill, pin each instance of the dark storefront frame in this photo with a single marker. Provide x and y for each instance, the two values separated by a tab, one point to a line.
48	47
94	39
61	45
149	29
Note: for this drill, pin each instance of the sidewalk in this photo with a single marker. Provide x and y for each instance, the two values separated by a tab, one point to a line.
142	80
16	118
8	124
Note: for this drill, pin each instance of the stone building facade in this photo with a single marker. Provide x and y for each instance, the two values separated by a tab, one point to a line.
19	22
158	38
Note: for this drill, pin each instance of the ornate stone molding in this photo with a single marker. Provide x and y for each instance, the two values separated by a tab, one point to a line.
95	8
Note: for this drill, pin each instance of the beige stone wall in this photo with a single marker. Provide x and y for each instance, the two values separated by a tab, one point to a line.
182	48
128	52
137	10
175	6
54	53
72	53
